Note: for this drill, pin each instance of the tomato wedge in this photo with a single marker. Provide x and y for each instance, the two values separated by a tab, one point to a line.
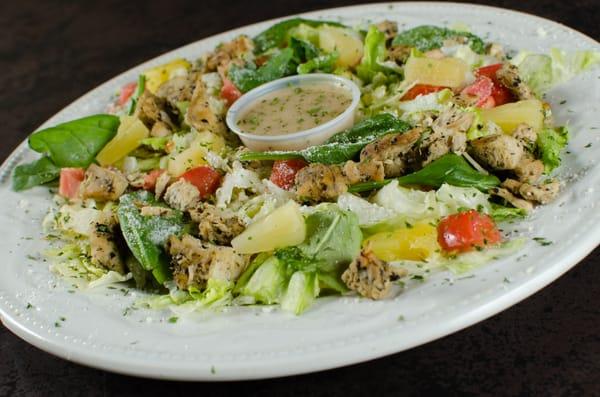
421	89
205	178
284	172
229	92
482	90
500	93
466	231
150	179
126	92
70	179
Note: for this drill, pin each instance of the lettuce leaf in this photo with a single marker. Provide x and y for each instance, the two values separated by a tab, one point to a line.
550	143
426	38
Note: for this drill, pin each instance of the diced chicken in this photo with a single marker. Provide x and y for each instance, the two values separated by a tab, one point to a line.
178	89
388	28
320	182
511	185
234	51
399	53
136	179
155	211
500	152
162	182
102	184
200	114
529	169
191	261
526	135
512	199
103	247
194	262
216	225
508	75
370	276
151	109
542	193
363	171
449	135
160	129
182	195
391	150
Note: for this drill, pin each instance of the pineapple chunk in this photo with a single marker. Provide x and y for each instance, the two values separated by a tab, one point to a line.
445	72
416	243
346	42
510	115
195	155
131	131
159	74
281	228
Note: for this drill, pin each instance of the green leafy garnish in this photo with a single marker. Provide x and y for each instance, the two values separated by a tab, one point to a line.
550	142
139	90
35	173
426	38
279	65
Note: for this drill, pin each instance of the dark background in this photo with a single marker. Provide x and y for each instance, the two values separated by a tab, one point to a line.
52	52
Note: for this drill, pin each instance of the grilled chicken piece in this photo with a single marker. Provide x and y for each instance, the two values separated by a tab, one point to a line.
182	195
162	182
215	225
200	114
542	193
150	109
449	135
508	75
388	28
233	51
102	184
529	169
178	89
511	198
526	135
370	276
363	171
320	182
500	152
194	262
160	129
391	150
103	248
399	53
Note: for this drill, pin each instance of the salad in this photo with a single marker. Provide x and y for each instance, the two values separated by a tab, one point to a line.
451	137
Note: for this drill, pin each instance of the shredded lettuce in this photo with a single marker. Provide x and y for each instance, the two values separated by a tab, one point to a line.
542	72
301	292
550	143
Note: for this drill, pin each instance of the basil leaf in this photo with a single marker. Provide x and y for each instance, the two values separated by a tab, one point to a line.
75	143
146	236
35	173
426	38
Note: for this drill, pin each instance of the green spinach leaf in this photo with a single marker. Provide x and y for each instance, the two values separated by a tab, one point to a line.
277	35
426	38
450	168
75	143
279	65
146	236
342	146
35	173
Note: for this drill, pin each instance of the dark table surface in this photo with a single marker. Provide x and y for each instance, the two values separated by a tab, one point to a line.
51	52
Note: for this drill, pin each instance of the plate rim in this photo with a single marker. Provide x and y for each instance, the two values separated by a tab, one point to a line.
94	359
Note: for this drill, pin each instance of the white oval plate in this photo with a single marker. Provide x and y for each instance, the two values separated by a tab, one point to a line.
246	343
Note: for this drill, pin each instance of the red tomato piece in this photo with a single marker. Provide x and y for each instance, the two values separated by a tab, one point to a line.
70	179
205	178
421	89
229	92
481	89
126	92
284	172
466	231
150	179
500	93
